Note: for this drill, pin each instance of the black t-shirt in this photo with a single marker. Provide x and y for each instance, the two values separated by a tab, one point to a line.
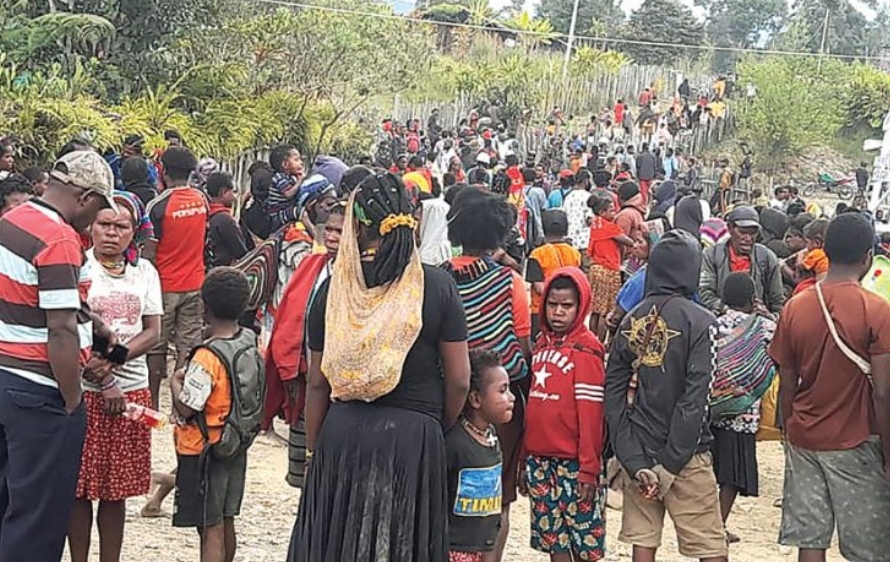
474	492
226	238
421	388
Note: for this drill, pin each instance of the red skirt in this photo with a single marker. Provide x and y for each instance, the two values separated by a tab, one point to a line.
116	461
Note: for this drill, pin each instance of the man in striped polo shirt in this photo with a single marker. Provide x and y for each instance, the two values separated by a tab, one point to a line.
45	337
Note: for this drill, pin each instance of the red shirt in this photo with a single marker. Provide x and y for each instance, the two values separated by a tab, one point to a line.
179	216
619	113
602	248
739	263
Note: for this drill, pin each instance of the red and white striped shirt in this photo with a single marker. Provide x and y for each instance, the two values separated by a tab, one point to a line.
42	267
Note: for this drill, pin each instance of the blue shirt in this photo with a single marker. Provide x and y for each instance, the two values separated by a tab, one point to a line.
634	290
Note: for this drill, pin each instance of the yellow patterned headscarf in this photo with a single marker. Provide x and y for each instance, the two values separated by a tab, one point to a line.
368	331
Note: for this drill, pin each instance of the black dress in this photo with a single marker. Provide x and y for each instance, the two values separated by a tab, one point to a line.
377	488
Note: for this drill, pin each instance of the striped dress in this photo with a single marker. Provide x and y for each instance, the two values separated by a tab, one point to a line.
486	289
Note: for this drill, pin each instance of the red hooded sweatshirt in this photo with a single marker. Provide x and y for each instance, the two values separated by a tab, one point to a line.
565	417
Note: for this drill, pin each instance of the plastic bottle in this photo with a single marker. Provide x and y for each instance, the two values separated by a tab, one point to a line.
145	415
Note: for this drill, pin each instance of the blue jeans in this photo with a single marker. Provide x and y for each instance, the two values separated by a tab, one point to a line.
40	451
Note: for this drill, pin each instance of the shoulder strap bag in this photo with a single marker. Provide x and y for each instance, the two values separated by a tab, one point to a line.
863	365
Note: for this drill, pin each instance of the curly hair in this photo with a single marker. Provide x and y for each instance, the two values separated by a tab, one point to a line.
225	293
479	220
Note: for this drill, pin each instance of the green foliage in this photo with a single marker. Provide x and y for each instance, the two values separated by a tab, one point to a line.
866	97
796	106
741	24
662	21
559	12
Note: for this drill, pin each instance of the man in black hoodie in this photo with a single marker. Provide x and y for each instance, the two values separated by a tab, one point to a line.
657	388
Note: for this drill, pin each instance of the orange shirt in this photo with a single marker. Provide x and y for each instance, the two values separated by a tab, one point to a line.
547	259
207	384
603	250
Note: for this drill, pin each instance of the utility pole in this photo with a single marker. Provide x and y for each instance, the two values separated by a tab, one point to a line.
568	59
824	39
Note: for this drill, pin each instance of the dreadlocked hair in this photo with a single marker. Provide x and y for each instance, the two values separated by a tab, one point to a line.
377	198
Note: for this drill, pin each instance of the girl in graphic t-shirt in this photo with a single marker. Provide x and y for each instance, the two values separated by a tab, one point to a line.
475	461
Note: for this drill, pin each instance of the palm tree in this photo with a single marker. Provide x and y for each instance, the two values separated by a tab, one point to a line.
533	32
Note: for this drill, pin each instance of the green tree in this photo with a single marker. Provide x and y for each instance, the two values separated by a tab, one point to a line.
559	12
741	24
844	32
798	105
662	21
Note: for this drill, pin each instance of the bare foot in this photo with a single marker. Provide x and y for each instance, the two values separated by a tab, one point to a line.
270	437
150	511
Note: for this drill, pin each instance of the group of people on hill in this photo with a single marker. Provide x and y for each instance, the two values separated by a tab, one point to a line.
440	340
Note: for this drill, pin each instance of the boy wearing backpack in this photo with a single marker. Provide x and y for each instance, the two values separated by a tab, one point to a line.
219	398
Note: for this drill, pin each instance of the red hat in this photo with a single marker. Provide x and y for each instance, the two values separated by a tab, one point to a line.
566	174
486	135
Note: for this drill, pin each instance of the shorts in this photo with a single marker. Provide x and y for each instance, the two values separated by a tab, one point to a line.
183	321
824	489
560	523
208	490
455	556
510	438
693	505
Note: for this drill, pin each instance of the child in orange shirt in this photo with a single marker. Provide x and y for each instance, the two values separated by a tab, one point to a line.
544	260
607	241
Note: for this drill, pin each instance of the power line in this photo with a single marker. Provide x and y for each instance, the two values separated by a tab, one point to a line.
563	37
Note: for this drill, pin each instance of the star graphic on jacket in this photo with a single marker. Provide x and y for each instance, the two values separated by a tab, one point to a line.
541	377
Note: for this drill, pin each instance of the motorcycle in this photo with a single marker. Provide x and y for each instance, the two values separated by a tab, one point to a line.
843	188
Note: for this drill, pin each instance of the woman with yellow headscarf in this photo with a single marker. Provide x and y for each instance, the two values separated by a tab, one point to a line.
388	369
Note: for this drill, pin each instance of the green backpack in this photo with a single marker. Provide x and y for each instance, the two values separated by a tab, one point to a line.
247	380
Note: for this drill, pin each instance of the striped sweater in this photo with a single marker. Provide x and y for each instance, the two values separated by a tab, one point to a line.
485	287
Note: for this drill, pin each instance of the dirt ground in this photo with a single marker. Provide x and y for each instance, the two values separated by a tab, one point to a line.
270	507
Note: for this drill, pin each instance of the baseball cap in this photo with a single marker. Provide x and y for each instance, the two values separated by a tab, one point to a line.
87	170
745	217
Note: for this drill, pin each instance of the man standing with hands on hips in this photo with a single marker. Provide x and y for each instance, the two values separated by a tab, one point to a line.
46	332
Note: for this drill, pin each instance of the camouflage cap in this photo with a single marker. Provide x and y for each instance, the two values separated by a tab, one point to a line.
87	170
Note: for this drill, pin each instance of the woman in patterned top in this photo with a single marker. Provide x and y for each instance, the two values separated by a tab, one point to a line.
744	371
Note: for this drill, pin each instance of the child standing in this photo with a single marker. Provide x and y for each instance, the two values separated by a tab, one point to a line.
566	427
556	252
475	462
744	373
605	249
211	462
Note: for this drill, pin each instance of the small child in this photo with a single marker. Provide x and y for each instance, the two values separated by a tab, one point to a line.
814	265
281	204
475	462
607	242
14	190
565	427
210	480
554	254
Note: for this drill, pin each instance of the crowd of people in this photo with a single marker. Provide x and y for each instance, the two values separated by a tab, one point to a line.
442	333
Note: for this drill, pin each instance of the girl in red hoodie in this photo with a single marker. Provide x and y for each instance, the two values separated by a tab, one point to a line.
565	426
